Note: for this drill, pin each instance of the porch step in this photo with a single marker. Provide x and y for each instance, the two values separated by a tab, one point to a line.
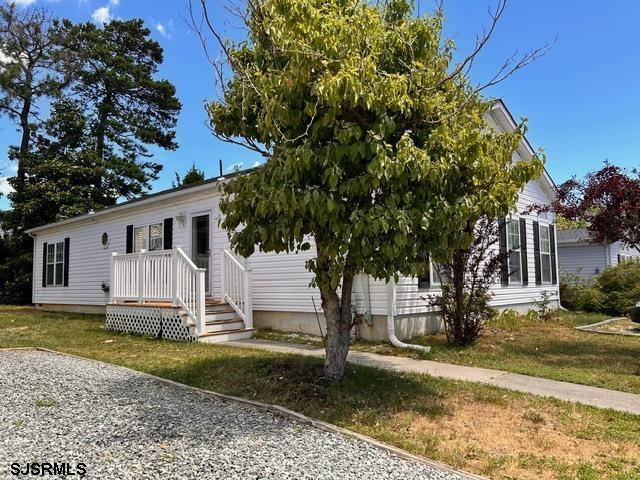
221	325
226	335
213	301
221	316
221	308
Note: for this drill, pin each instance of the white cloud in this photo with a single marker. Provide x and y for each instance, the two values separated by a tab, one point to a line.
5	188
102	15
257	164
163	30
22	3
115	3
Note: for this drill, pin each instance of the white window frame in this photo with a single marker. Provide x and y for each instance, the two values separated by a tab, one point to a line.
161	238
145	234
513	280
545	227
58	247
146	229
434	278
435	282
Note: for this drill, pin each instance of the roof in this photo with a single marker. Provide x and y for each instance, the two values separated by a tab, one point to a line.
573	235
505	119
144	199
499	111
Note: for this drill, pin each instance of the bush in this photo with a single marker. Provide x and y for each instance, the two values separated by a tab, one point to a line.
614	292
621	287
586	297
467	279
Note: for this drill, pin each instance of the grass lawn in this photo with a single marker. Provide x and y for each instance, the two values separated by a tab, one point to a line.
550	349
494	432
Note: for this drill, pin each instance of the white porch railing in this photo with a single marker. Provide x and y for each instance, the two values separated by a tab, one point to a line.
236	287
166	275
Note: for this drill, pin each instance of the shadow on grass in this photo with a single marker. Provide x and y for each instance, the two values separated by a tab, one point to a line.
297	383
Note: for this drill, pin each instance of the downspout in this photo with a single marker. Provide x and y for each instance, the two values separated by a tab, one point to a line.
33	269
391	323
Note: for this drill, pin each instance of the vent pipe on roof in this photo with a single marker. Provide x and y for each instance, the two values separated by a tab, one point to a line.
220	163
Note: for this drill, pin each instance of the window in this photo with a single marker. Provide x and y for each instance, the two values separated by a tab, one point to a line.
622	258
105	240
55	263
424	280
513	247
139	238
148	237
545	253
437	275
155	237
432	277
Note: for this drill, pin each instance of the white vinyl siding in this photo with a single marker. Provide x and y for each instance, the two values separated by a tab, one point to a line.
280	281
587	260
584	260
411	299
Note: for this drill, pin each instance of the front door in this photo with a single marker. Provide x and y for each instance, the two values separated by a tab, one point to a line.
201	246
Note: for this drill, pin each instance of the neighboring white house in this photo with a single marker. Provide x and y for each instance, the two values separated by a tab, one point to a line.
162	262
578	256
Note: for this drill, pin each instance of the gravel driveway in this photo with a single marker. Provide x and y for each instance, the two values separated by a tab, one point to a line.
125	425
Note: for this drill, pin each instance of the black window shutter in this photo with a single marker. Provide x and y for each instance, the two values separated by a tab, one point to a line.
129	238
44	264
552	240
504	259
65	273
168	233
536	252
523	252
619	262
424	281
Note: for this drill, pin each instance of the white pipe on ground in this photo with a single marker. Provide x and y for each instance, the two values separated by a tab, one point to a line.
391	322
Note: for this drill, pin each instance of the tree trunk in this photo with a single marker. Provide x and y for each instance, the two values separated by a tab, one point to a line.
339	319
104	110
24	140
338	335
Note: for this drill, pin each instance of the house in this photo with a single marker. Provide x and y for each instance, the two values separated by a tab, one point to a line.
579	256
161	264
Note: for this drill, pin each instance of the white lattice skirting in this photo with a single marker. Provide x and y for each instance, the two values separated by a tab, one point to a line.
151	321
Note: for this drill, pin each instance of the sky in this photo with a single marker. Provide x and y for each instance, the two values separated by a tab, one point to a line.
581	100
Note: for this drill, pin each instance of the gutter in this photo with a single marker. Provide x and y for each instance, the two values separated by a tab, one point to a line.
144	200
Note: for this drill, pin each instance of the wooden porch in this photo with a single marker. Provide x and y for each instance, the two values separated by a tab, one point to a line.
162	293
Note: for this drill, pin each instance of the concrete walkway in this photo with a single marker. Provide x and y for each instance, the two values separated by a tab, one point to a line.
571	392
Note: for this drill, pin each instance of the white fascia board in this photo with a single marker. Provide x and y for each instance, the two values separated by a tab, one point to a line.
505	120
134	204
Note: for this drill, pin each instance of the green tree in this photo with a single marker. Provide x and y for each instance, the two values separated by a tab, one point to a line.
376	147
127	108
61	170
94	148
193	175
32	67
